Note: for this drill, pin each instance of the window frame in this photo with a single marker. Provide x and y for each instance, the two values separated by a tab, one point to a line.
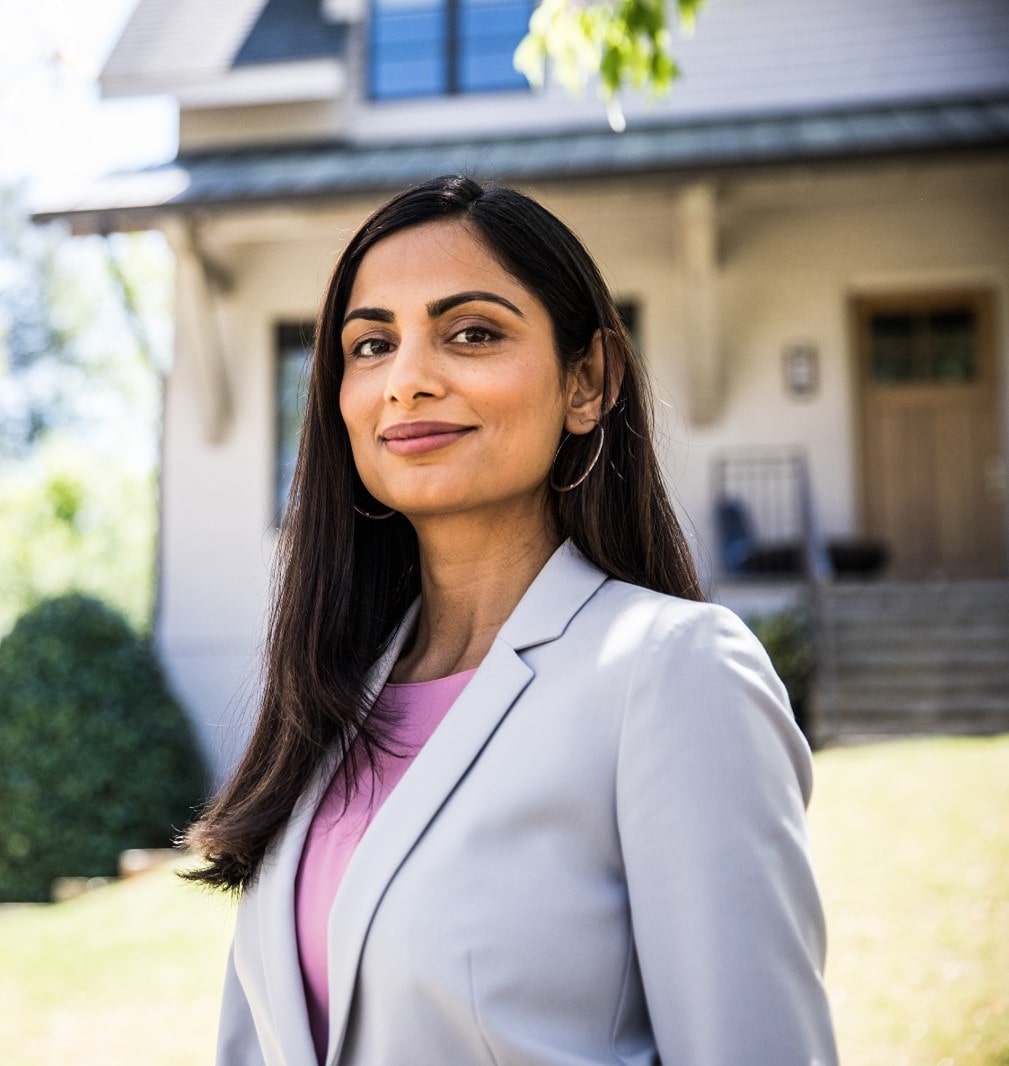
451	59
290	338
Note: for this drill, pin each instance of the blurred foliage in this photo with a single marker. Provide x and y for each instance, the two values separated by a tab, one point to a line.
34	332
788	640
623	43
84	322
97	755
85	332
72	519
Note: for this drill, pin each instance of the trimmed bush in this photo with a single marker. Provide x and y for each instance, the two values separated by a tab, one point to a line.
95	754
789	643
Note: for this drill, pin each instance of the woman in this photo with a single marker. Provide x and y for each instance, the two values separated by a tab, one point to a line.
582	788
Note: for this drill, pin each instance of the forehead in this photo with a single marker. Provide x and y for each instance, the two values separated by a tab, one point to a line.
427	262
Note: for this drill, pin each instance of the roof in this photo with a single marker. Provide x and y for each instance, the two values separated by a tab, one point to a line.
241	179
291	29
169	44
760	56
164	38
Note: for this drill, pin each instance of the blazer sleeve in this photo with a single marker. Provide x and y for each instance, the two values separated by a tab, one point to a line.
237	1040
713	780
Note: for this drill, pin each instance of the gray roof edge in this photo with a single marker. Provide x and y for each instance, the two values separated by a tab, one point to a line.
653	127
248	178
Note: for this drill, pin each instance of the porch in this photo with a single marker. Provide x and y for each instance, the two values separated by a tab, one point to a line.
893	657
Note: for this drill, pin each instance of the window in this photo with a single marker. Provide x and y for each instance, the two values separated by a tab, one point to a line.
438	47
629	313
923	346
294	355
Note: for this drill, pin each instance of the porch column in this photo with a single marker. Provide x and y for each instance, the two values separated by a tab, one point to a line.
697	303
199	285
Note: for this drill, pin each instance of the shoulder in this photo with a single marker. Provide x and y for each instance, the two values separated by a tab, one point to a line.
701	681
708	634
712	780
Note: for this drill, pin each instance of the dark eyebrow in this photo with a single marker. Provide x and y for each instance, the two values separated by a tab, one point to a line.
372	314
438	307
435	308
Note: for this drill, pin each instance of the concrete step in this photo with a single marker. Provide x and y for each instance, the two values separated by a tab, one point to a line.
907	692
849	705
925	638
904	699
957	599
929	657
917	659
854	727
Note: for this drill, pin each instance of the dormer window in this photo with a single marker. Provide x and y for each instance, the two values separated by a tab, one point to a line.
442	47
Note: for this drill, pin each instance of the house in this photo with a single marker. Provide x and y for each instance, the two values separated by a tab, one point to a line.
810	238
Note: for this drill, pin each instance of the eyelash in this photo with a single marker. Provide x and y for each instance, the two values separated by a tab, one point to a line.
357	353
489	336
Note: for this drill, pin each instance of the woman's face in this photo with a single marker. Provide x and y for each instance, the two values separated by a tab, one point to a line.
452	391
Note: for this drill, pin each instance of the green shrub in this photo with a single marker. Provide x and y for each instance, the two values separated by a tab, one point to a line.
95	754
789	642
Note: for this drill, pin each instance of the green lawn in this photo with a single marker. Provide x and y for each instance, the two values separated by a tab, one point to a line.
912	848
128	974
912	843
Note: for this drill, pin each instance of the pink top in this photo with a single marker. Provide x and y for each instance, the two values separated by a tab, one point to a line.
335	833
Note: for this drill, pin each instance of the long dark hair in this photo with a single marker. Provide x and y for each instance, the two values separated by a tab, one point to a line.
343	582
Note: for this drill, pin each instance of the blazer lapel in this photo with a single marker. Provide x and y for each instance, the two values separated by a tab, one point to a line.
273	914
559	591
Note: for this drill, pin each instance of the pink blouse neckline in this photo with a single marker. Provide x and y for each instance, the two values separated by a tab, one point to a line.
433	682
418	708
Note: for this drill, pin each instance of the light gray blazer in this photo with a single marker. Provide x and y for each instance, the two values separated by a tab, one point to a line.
600	856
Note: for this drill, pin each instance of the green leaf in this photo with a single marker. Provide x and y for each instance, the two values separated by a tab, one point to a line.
620	43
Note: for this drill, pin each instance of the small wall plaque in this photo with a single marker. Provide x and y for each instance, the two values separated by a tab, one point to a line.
802	369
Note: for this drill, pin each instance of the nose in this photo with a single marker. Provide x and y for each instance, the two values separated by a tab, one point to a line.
414	373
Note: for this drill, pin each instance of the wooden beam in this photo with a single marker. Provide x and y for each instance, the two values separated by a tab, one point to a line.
697	301
199	283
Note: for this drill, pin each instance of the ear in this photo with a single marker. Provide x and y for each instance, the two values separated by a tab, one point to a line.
585	388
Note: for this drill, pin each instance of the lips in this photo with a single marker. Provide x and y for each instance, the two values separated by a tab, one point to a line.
416	438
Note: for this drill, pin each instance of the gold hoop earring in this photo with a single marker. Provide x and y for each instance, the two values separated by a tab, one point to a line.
589	469
374	517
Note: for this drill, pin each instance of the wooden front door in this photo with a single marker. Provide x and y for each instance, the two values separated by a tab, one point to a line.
932	472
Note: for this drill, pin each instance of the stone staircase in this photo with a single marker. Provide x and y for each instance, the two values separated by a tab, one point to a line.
914	658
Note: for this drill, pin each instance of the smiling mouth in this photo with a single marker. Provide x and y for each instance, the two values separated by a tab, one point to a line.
416	438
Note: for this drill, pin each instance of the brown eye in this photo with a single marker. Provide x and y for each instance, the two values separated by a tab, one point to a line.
369	347
474	335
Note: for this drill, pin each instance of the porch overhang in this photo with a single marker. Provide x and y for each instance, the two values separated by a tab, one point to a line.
224	181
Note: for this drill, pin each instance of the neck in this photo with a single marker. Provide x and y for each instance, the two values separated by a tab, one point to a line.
473	573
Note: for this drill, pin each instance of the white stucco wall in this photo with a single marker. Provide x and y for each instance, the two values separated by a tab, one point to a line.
793	248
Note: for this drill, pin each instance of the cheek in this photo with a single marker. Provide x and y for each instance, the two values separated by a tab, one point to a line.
353	406
533	418
353	410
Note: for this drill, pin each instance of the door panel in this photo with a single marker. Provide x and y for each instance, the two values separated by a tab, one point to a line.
930	432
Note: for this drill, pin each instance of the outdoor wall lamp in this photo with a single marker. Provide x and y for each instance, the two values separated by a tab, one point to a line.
802	369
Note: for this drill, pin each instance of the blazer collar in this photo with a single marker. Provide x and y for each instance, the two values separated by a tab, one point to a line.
556	595
559	591
270	906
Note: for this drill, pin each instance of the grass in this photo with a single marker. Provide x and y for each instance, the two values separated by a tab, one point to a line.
127	974
912	849
912	845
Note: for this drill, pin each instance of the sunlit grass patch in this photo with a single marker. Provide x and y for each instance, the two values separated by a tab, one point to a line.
912	846
130	973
